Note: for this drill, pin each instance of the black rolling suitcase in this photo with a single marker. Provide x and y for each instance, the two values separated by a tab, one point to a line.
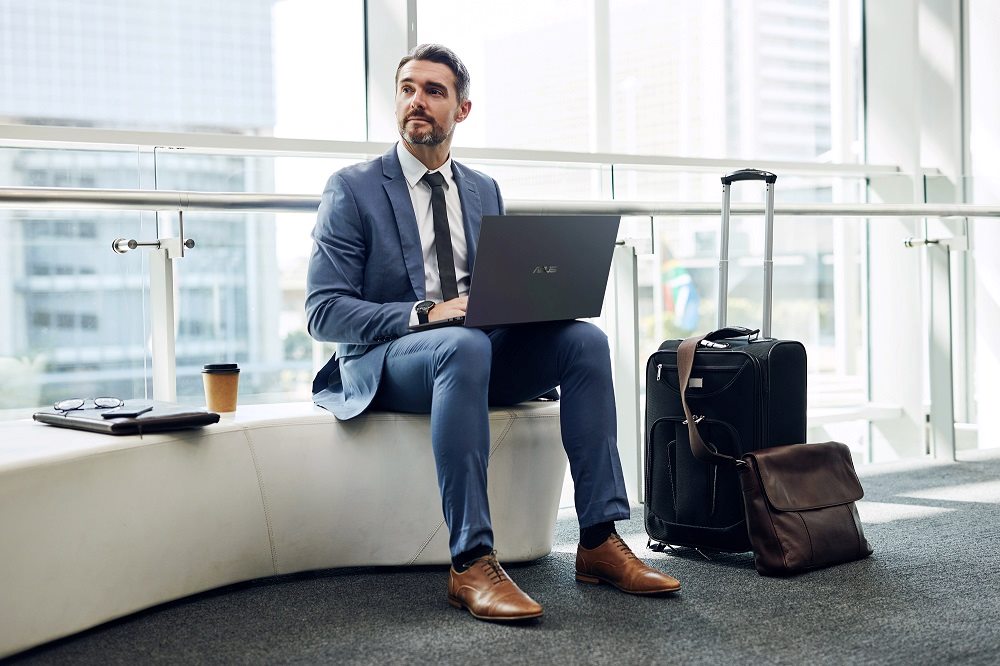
750	391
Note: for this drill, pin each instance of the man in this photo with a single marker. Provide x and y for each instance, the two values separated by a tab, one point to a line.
378	266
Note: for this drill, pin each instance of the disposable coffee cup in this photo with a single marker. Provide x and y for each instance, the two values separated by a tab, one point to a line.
222	380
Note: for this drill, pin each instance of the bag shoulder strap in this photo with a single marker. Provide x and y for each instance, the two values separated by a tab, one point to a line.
685	363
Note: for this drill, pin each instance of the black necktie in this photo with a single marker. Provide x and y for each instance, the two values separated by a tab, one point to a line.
442	236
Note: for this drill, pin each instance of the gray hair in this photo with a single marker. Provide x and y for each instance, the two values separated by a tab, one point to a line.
443	56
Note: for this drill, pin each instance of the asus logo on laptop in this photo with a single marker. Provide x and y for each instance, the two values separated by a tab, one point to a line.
547	270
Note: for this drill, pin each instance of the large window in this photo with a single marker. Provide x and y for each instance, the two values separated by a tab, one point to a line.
75	315
770	79
531	65
757	81
271	67
767	80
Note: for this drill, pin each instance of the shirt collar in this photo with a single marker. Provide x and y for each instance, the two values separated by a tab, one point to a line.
414	169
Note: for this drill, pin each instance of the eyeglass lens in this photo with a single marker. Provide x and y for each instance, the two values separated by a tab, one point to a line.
105	402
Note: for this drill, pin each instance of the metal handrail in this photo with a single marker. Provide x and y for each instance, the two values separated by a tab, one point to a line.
174	200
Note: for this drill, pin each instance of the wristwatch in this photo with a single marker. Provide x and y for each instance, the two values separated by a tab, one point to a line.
423	309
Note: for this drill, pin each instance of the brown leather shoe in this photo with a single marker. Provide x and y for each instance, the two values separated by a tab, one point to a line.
614	562
488	593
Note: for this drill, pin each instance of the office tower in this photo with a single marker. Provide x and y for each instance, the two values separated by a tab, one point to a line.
778	78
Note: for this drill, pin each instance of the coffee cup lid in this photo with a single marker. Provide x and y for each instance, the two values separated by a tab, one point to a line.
221	368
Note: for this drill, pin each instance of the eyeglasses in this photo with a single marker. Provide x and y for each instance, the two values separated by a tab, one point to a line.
79	403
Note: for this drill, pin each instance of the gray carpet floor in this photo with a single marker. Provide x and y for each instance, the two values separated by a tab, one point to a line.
929	595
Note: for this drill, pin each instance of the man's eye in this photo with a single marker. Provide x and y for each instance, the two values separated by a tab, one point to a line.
436	91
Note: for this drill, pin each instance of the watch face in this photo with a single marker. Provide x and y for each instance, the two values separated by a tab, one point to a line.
423	309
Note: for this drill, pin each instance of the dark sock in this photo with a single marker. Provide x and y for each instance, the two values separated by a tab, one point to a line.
595	535
462	561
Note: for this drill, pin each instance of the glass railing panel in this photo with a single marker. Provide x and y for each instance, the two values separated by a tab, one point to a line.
240	298
61	167
818	300
819	278
680	280
205	172
558	182
241	290
75	314
199	172
649	184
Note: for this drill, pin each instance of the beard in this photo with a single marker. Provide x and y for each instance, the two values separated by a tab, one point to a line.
434	135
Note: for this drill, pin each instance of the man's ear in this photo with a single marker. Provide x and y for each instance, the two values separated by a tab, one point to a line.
463	111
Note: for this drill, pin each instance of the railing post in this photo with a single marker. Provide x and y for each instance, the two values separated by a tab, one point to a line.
940	352
624	328
161	296
940	343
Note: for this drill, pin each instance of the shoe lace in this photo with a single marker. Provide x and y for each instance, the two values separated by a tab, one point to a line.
623	547
493	569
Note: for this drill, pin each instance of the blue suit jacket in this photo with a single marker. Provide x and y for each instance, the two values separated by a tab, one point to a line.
367	271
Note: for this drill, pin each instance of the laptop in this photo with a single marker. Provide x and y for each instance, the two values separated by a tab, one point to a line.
533	268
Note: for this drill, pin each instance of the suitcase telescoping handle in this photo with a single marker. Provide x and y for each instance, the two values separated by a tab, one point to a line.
727	180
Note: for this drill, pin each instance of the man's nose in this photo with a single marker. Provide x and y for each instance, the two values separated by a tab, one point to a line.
418	101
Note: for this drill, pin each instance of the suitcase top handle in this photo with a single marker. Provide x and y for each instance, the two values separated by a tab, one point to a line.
749	174
732	332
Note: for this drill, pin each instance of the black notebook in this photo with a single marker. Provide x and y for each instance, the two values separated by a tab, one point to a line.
163	416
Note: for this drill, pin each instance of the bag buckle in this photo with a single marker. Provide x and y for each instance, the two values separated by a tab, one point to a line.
697	419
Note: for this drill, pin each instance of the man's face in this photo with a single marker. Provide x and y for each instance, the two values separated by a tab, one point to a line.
427	107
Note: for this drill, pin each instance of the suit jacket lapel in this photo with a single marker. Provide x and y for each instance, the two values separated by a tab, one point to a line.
402	206
472	209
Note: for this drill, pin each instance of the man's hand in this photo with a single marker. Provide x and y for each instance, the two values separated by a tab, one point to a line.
453	308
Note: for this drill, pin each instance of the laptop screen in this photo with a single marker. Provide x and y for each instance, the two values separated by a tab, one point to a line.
531	268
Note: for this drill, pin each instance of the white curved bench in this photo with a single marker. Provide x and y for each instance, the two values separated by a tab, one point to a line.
95	527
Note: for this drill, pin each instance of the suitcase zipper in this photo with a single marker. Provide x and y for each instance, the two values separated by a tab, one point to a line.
648	452
706	368
715	479
648	471
760	400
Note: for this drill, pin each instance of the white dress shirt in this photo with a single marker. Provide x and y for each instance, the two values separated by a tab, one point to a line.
420	197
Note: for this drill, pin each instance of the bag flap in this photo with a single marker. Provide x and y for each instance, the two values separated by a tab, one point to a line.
801	477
